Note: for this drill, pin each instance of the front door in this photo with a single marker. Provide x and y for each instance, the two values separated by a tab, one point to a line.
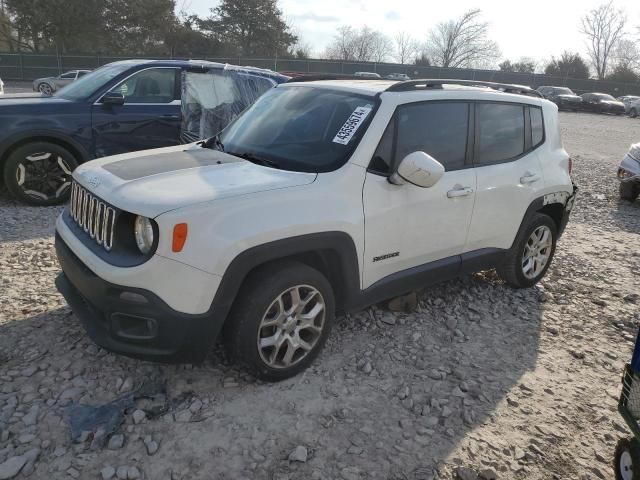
149	118
408	226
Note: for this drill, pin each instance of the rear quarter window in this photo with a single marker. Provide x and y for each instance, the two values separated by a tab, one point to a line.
537	126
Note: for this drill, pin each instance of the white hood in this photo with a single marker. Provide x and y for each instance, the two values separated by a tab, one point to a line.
153	182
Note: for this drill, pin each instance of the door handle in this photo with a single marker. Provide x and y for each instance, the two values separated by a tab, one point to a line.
459	192
529	178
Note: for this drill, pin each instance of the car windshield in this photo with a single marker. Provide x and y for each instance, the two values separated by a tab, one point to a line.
299	128
89	83
563	91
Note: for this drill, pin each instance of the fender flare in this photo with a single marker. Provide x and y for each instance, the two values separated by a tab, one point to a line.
11	141
344	267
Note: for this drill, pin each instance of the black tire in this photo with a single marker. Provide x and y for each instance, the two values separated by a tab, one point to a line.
45	88
627	459
256	299
629	191
633	113
40	182
512	269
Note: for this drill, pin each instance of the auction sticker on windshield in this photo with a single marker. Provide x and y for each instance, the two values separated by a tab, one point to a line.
352	124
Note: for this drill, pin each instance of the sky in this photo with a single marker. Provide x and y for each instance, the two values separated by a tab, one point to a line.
539	29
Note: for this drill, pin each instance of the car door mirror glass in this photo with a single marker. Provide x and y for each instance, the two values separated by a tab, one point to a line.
418	168
113	98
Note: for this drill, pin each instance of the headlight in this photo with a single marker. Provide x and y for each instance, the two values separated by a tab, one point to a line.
143	230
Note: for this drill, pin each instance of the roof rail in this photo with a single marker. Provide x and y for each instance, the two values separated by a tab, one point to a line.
438	83
326	76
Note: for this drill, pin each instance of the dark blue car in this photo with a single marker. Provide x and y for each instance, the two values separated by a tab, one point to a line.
122	107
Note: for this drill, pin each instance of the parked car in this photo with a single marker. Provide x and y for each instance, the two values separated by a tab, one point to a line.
628	100
563	97
48	85
122	107
367	75
398	76
601	103
262	229
629	174
633	108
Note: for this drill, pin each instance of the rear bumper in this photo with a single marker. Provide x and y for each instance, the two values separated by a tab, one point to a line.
133	321
568	207
629	170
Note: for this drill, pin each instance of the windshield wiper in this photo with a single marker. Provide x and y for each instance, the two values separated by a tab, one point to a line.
256	159
214	143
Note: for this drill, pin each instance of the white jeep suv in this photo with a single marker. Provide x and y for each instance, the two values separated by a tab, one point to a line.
324	196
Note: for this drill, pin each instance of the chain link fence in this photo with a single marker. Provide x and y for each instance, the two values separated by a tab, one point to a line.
27	67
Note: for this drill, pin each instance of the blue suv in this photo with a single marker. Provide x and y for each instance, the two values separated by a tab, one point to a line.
121	107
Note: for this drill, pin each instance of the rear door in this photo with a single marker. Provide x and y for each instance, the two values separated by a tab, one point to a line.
508	169
407	226
149	118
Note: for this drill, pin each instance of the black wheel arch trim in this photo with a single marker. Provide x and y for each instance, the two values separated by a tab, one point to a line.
43	135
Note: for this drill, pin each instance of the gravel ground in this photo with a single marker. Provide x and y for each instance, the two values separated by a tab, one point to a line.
481	381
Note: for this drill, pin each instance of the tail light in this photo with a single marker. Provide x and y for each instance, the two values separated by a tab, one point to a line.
570	165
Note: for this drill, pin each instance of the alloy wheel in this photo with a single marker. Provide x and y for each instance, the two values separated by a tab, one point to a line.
44	175
291	326
45	88
537	252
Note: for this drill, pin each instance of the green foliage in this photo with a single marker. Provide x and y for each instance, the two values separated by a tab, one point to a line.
145	27
568	65
522	66
624	74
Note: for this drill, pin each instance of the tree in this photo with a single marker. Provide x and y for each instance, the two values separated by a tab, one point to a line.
422	60
623	74
251	27
604	28
463	42
627	55
406	47
568	65
524	65
364	45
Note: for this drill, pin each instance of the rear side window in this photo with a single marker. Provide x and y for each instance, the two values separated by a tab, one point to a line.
537	126
500	132
439	129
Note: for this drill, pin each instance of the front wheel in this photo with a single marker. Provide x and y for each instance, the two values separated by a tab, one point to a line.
39	173
629	191
45	88
627	459
280	320
530	257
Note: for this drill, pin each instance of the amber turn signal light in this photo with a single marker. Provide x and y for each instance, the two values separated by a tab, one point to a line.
180	231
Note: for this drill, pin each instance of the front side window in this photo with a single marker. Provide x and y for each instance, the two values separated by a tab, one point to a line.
300	128
500	132
155	85
439	129
92	82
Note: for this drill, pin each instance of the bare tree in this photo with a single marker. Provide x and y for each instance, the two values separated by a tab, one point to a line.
463	42
604	28
364	45
627	55
406	47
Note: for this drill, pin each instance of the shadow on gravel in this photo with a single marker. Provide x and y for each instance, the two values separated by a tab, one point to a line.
21	222
390	397
627	215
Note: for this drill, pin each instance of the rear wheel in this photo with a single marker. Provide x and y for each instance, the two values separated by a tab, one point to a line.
39	173
280	320
530	257
627	459
633	113
629	191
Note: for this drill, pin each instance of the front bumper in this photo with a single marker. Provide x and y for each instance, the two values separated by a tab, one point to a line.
133	321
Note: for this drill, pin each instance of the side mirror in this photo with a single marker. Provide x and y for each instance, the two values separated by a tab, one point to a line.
112	98
418	168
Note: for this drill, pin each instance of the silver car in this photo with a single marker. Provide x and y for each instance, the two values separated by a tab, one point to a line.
629	174
48	85
633	109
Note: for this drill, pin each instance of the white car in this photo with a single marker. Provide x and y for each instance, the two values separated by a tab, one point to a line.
323	197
